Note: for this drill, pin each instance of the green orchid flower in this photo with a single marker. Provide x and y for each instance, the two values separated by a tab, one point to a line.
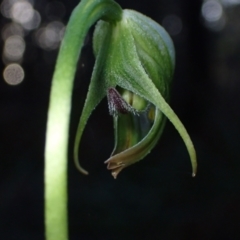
133	69
134	66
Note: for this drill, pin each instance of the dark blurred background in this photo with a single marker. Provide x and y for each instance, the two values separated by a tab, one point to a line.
156	198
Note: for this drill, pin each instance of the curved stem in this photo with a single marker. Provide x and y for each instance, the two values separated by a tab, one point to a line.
55	177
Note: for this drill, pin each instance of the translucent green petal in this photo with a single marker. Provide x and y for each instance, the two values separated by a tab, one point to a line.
96	92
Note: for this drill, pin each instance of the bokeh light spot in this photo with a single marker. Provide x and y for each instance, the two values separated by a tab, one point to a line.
14	48
34	22
173	24
11	29
212	11
213	15
50	36
13	74
6	7
22	12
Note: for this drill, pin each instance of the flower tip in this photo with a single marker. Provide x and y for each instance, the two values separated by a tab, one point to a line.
194	168
115	167
82	170
114	174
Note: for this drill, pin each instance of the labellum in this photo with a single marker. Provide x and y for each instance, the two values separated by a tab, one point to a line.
117	104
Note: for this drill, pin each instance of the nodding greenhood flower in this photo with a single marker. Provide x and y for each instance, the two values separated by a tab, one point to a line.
133	69
134	66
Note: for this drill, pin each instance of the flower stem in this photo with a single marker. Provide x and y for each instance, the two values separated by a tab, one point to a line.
56	149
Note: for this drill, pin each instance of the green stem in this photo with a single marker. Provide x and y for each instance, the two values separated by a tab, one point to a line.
82	18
